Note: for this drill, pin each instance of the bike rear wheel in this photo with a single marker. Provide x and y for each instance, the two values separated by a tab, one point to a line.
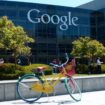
73	88
24	88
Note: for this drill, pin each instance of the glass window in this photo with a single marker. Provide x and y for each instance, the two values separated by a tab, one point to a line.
10	5
51	46
101	31
84	30
11	13
2	4
42	46
23	14
84	20
25	25
2	12
93	20
101	19
51	35
22	4
51	52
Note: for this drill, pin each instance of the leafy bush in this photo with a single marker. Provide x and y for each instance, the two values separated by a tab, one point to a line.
82	69
89	69
33	68
10	76
10	71
103	68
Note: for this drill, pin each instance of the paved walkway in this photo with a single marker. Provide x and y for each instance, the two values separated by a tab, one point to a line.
88	98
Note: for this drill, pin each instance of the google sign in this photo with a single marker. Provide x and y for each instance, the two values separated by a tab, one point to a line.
63	21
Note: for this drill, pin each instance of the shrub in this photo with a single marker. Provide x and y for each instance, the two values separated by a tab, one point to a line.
82	69
10	71
89	69
10	76
33	68
103	68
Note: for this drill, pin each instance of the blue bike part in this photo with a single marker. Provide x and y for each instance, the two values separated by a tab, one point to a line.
24	90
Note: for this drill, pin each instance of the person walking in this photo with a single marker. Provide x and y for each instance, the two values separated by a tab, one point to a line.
1	60
99	65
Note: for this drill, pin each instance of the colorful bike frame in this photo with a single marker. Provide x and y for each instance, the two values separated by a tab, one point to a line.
30	87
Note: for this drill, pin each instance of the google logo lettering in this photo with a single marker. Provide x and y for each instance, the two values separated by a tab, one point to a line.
63	21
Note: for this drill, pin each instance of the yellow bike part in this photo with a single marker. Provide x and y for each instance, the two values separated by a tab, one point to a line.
45	88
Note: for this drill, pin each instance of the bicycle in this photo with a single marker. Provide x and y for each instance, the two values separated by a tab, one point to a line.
30	87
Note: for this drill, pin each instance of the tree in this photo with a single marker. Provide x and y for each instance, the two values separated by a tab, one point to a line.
87	47
13	38
96	48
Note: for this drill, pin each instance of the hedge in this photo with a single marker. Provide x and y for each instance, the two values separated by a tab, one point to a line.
89	69
11	71
33	68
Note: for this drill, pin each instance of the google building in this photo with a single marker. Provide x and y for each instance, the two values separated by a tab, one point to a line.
55	27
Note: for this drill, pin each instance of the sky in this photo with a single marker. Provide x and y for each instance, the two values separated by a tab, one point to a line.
69	3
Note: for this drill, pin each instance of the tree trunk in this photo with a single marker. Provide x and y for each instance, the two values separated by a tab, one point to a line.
5	55
28	60
15	60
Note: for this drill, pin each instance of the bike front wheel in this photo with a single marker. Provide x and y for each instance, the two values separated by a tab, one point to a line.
73	88
24	88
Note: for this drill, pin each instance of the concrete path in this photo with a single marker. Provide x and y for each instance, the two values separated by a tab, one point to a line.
88	98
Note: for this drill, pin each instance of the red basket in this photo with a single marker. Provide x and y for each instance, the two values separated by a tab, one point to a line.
70	68
70	72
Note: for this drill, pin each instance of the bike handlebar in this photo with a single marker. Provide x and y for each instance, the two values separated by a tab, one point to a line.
60	65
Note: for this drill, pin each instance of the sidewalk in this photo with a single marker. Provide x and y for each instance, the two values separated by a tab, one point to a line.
88	98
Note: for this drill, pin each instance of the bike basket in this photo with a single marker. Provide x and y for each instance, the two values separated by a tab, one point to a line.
70	69
70	72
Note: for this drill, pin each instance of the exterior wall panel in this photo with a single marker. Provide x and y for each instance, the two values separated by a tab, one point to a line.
48	32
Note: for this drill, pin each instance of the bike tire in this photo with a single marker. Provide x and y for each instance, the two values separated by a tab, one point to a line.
24	90
73	88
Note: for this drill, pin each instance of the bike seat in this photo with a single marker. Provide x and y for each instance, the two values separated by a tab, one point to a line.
41	68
